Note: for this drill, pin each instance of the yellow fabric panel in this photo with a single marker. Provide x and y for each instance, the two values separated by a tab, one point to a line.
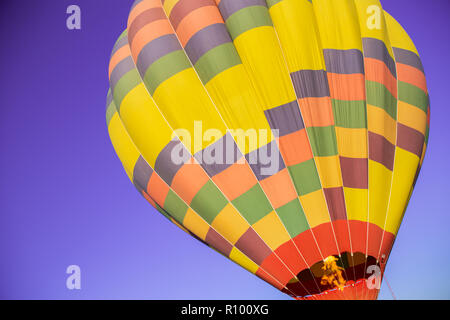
367	11
258	49
379	190
237	102
296	27
381	123
398	36
315	207
183	100
330	171
352	143
338	24
271	230
357	203
168	6
242	260
412	116
142	120
193	222
405	167
230	224
124	147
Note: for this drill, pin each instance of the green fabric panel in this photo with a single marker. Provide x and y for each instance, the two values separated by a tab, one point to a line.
247	19
175	206
253	204
127	83
323	141
293	218
379	96
164	68
208	202
217	60
413	95
305	177
350	114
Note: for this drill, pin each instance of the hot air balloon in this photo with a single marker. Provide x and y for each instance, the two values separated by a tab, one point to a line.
286	134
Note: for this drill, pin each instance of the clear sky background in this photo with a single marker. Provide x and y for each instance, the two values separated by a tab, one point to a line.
65	199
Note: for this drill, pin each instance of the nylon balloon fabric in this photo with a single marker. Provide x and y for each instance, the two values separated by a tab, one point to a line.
287	135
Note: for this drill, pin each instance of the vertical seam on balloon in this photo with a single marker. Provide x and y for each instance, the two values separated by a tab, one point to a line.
291	180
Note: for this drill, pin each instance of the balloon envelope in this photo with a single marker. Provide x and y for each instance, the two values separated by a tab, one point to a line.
280	132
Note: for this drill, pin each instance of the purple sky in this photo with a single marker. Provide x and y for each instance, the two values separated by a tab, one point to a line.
64	198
